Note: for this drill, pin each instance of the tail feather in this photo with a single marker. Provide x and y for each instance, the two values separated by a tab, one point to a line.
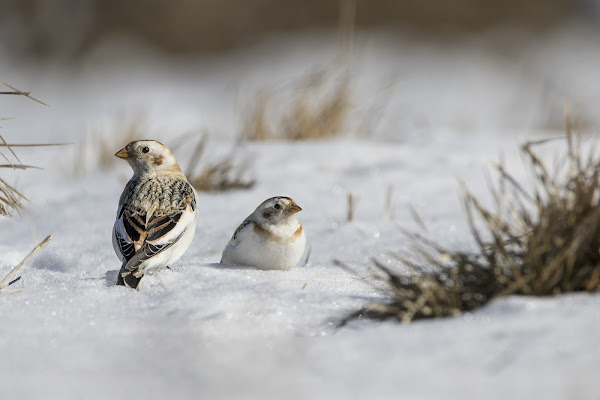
128	279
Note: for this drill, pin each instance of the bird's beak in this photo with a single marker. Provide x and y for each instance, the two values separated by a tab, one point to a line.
295	208
123	153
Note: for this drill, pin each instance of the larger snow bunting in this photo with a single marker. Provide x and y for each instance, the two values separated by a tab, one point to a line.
270	238
156	218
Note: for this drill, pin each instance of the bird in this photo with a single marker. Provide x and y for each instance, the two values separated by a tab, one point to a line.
270	238
156	217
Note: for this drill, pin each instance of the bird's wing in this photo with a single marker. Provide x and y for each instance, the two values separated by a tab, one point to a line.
247	224
122	243
149	250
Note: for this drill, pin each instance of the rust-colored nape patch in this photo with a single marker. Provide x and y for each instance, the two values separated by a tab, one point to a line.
158	160
297	234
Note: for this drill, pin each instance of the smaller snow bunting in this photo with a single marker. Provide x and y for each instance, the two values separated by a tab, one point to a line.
270	238
156	218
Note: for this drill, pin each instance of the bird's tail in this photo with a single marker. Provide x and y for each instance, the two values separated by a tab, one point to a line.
128	278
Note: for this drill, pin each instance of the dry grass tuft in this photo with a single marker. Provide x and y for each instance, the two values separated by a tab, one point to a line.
10	198
539	241
321	101
319	109
219	176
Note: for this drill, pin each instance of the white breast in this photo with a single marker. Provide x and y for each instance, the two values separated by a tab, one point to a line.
253	249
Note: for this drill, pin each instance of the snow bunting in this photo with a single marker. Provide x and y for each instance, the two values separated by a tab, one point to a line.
156	218
270	238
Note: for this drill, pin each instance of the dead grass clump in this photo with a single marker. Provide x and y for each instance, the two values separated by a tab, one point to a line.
10	198
542	240
320	102
319	108
225	174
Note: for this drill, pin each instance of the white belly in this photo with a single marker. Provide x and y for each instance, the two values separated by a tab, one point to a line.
253	250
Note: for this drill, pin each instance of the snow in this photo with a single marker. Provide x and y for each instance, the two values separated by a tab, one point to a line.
205	330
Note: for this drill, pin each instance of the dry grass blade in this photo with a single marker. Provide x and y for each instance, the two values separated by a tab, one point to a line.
417	218
33	144
352	203
21	93
19	166
4	283
10	149
10	164
539	245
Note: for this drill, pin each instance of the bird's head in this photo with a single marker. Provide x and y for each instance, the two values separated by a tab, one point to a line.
149	156
276	209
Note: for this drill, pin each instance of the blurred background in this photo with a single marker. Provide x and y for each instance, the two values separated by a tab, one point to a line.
387	69
70	28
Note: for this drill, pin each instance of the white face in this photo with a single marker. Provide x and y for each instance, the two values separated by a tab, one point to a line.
276	209
148	155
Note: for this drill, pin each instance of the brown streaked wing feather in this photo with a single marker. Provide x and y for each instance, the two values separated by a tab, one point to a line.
135	226
126	246
147	251
161	225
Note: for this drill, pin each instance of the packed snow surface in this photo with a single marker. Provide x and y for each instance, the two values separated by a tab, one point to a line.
205	330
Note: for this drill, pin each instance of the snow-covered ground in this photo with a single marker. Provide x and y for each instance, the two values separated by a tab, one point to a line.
208	331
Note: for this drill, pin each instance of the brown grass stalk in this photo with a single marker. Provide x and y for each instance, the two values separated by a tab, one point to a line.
18	92
6	282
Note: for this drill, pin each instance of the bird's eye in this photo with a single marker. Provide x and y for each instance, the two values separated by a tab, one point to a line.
145	149
277	206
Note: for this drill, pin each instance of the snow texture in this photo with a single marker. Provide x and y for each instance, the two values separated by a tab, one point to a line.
205	330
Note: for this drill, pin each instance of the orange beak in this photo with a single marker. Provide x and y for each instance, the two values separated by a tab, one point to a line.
123	153
295	208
